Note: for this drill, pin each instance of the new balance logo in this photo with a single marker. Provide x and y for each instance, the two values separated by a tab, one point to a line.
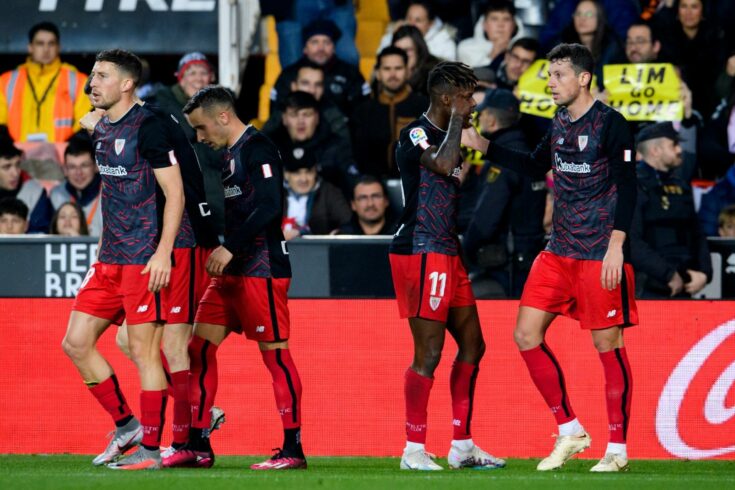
142	308
176	309
456	422
260	329
611	313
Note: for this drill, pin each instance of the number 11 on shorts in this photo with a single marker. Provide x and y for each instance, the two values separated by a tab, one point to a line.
436	278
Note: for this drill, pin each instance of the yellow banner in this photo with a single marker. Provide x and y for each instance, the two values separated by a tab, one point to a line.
533	94
644	91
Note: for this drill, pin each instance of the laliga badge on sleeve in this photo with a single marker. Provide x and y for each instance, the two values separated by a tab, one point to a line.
418	137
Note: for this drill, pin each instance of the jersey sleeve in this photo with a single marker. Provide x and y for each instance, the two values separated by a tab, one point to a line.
619	147
534	164
263	164
411	145
155	142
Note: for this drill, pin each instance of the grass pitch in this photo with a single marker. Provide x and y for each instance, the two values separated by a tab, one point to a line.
76	472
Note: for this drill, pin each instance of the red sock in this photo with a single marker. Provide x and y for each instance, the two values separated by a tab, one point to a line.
618	388
167	373
152	414
111	398
416	391
286	385
549	379
202	381
462	385
182	406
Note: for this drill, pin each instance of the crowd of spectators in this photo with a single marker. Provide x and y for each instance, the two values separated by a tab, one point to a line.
337	131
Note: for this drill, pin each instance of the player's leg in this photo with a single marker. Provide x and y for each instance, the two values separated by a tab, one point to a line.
175	357
266	320
463	325
79	344
618	392
121	339
144	342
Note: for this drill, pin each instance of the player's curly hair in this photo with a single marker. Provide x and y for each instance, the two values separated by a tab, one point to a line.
448	76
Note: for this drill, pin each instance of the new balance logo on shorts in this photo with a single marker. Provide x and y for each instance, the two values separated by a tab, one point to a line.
260	329
611	313
142	308
176	309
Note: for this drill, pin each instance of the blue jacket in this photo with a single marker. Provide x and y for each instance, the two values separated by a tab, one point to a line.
720	196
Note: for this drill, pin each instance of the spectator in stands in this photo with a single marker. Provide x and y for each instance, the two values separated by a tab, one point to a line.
521	55
313	206
294	16
696	45
620	14
378	121
301	130
669	251
370	205
726	222
343	83
589	27
713	202
82	184
439	37
420	61
510	205
195	72
13	216
497	27
16	183
69	220
310	79
641	44
43	99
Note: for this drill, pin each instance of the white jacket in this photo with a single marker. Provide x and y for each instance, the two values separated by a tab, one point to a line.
475	50
439	39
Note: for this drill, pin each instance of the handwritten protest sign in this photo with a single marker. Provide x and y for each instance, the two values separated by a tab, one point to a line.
644	91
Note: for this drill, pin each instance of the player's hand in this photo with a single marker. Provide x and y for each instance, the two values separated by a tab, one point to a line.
472	139
218	260
676	284
159	267
462	106
612	268
291	233
697	283
90	119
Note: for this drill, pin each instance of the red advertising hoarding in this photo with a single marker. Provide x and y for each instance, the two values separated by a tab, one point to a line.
352	355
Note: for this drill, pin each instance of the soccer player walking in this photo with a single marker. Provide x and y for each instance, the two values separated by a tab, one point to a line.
139	171
251	274
585	272
432	287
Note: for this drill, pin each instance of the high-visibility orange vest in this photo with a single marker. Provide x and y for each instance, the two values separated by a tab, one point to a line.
62	100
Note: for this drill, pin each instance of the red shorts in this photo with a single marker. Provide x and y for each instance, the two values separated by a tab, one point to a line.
572	288
428	284
257	306
189	281
119	292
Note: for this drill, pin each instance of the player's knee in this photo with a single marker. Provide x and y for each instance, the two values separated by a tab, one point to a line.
429	361
526	340
73	349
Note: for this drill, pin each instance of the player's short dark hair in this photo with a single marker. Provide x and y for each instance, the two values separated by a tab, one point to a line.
13	206
43	26
578	55
124	60
79	144
209	97
448	76
369	180
300	100
391	51
500	6
642	23
527	43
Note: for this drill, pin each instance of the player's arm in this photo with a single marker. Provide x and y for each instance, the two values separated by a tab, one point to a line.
534	164
263	165
444	159
619	147
156	146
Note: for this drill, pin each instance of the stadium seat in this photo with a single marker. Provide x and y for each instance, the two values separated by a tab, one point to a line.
272	68
369	33
395	195
264	102
373	10
366	67
270	27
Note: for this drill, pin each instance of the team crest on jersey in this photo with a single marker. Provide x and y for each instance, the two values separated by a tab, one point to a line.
434	302
582	140
418	137
119	145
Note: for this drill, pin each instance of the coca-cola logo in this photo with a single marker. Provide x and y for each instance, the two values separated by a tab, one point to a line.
690	394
